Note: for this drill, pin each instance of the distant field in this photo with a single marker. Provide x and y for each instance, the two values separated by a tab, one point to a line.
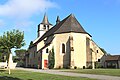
25	75
111	72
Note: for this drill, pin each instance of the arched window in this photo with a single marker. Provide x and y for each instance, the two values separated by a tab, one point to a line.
63	48
44	27
48	27
97	51
47	50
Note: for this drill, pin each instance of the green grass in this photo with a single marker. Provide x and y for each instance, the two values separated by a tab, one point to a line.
111	72
26	75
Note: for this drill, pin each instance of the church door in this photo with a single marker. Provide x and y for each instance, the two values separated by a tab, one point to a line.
45	63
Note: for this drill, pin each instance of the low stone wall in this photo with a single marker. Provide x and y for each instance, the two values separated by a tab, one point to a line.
13	65
3	64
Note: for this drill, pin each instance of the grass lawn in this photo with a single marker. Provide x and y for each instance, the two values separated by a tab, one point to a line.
111	72
25	75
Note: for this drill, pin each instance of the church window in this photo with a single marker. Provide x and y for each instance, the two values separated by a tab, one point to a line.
47	50
63	48
97	51
98	60
48	27
44	27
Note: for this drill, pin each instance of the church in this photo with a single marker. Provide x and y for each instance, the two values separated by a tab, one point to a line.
73	47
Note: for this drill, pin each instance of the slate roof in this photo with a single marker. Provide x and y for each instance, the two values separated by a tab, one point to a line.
49	39
112	57
45	20
69	24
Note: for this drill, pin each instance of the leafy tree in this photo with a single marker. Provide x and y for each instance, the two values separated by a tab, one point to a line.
3	54
20	56
20	53
0	56
11	39
15	59
31	44
51	59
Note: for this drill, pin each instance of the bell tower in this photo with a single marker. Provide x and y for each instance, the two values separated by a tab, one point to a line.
44	26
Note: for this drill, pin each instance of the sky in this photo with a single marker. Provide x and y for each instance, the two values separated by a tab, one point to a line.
100	18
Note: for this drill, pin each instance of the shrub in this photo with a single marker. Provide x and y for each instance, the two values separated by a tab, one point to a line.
51	59
89	67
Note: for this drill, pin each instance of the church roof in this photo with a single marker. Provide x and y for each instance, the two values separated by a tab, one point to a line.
69	24
45	20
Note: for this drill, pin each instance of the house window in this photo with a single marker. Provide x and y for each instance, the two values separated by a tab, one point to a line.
63	48
47	50
98	60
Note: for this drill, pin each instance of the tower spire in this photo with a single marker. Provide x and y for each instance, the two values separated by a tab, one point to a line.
57	20
44	26
45	20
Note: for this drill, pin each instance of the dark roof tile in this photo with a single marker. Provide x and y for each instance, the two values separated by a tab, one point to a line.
45	20
69	24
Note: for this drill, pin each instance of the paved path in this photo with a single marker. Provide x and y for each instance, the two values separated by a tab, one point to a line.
58	72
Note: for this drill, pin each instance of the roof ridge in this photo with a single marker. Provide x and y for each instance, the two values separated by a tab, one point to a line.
63	21
45	35
68	24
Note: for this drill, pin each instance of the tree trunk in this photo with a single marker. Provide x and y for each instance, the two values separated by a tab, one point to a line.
9	63
9	60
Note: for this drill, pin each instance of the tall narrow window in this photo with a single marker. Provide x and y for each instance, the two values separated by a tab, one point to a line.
97	51
47	50
44	27
63	48
47	27
98	60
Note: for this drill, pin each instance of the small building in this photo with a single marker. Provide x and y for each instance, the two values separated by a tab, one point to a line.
112	61
73	46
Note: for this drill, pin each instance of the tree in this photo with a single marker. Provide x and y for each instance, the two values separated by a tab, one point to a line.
51	60
11	39
20	54
3	54
31	44
0	56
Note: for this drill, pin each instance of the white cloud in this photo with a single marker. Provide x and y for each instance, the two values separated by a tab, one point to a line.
24	8
18	13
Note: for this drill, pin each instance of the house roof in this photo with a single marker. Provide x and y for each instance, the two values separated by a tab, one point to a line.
69	24
112	57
